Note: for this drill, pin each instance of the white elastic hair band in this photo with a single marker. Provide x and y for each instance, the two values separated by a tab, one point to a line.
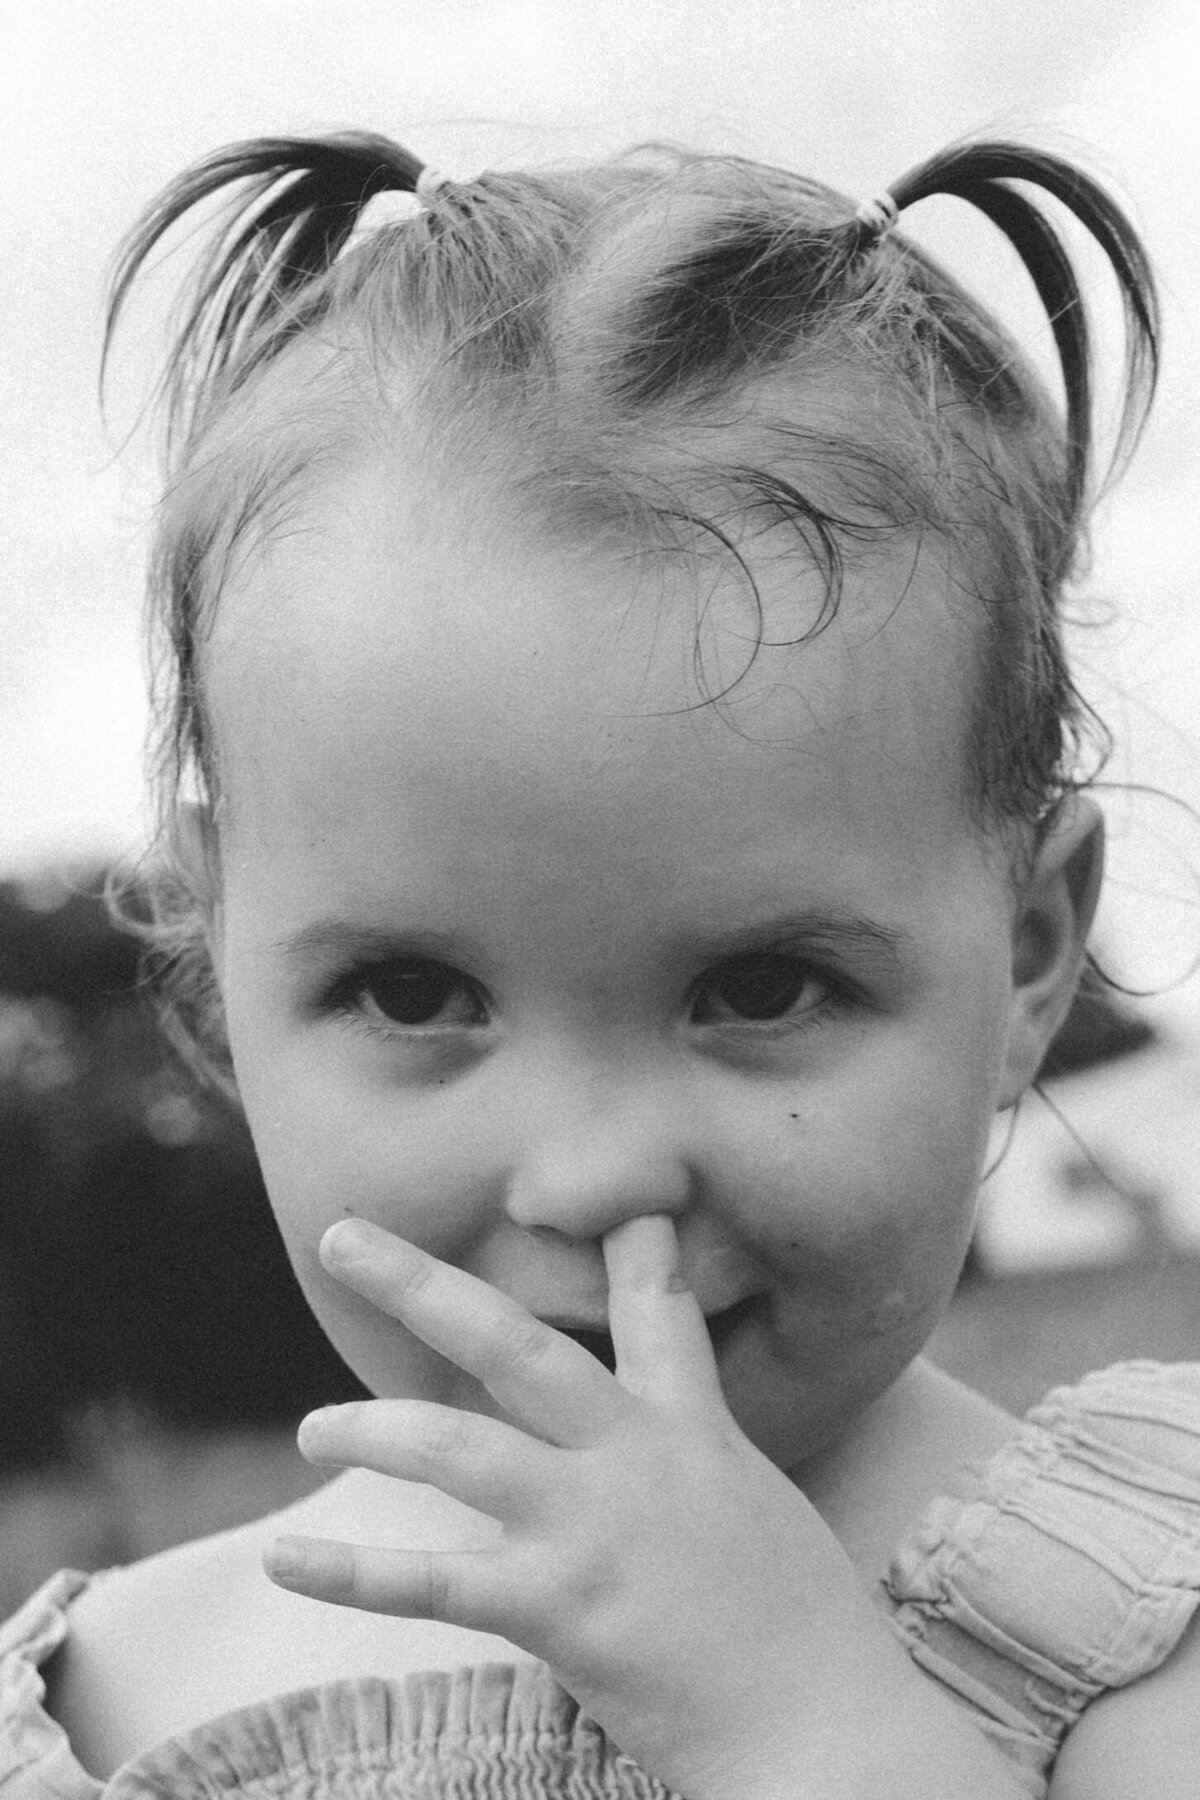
878	215
428	183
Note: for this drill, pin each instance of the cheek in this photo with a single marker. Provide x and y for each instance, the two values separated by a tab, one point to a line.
418	1166
862	1193
324	1169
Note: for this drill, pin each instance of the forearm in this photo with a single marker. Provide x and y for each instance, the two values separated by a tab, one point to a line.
864	1723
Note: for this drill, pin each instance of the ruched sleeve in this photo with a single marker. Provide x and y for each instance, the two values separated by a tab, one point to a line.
1067	1564
36	1760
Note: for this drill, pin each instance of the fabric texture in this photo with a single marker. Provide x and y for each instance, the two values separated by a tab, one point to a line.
1066	1564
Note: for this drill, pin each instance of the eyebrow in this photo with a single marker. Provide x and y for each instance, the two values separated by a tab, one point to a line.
335	939
834	932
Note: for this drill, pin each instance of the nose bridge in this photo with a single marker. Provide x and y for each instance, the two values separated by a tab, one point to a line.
603	1138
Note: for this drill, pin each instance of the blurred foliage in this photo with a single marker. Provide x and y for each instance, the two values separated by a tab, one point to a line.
138	1258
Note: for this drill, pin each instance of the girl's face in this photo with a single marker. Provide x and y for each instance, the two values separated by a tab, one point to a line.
517	938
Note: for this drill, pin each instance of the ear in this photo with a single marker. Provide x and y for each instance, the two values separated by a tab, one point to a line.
1054	913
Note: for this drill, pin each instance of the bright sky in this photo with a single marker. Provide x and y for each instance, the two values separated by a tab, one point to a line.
107	99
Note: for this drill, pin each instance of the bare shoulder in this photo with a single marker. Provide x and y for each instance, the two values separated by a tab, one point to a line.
1139	1740
910	1447
187	1636
148	1650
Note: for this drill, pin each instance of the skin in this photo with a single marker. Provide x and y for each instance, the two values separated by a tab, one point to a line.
722	1002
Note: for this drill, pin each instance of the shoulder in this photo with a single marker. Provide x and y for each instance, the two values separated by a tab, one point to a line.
199	1632
1057	1582
1141	1739
137	1656
84	1663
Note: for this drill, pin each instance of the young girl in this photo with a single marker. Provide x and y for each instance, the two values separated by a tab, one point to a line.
627	845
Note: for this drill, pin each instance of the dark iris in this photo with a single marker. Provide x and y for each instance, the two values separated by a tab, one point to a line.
758	987
413	993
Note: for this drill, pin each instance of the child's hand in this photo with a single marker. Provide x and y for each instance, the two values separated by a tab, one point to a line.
677	1583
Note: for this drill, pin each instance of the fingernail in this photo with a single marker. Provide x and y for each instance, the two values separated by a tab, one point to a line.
286	1559
323	1570
350	1239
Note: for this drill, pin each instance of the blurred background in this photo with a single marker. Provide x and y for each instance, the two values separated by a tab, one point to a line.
154	1352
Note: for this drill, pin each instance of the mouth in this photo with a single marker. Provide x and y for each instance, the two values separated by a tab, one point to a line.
721	1326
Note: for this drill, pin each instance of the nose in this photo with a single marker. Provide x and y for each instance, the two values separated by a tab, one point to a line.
585	1168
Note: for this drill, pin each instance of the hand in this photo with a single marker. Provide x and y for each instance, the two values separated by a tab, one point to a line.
676	1582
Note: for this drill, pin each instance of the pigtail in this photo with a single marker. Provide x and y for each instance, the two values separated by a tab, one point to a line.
299	202
983	174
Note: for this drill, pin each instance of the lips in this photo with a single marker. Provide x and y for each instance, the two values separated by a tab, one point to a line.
598	1343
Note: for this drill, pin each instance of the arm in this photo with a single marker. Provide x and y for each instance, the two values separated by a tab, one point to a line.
678	1584
1139	1740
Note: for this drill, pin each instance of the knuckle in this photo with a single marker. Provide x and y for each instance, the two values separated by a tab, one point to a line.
439	1432
434	1594
521	1343
414	1277
587	1573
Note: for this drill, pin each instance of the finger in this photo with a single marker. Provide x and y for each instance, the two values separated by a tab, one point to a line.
658	1329
546	1383
482	1462
410	1584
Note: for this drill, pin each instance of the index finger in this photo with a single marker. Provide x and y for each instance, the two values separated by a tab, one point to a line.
544	1381
658	1330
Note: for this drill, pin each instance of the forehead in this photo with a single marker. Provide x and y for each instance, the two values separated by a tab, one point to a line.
402	651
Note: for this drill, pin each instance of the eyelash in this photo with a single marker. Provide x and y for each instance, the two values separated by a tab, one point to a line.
349	999
350	995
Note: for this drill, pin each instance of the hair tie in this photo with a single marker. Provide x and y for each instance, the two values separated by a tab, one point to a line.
429	184
879	215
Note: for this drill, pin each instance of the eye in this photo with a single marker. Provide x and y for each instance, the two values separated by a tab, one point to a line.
759	989
413	994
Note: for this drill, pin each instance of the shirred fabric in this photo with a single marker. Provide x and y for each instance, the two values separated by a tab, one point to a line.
36	1759
479	1733
491	1731
1066	1564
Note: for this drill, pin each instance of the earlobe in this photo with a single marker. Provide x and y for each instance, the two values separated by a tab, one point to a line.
1053	917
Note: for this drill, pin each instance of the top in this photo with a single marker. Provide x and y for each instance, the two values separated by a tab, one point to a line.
1065	1564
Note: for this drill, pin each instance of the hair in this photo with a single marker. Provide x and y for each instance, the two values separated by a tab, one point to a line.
655	332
